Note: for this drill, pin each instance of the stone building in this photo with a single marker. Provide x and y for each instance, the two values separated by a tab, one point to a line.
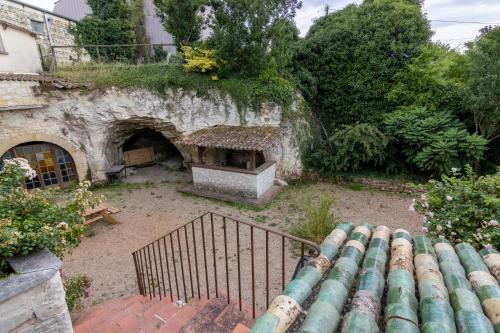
50	29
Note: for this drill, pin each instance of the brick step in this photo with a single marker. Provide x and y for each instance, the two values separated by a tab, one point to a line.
240	328
141	314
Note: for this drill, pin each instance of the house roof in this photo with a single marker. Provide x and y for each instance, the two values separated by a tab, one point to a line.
6	24
234	137
47	79
343	288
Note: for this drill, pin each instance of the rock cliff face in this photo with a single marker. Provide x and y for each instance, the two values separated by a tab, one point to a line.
93	125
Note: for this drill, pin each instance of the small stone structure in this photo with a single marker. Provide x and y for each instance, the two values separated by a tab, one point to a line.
33	299
246	183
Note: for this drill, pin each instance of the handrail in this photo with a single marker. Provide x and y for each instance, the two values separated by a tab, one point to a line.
194	258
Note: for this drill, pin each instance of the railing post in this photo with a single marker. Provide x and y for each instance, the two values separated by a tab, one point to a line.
98	54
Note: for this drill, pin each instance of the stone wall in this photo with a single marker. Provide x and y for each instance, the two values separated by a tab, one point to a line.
232	181
58	27
18	93
265	180
33	299
93	125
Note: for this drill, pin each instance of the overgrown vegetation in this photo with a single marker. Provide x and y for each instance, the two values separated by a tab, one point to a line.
158	77
319	220
109	24
33	220
463	208
77	288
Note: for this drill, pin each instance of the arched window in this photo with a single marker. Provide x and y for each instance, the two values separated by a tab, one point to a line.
53	165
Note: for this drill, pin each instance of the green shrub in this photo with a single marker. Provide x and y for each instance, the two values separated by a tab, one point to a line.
319	221
76	289
435	141
463	209
349	148
33	220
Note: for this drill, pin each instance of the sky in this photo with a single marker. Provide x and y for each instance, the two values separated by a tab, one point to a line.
454	34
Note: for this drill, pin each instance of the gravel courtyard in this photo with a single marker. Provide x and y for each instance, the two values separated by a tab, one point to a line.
152	209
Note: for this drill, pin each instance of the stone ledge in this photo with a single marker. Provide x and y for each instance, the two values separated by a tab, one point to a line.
30	271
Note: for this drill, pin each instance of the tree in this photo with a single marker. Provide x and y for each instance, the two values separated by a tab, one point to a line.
243	32
347	62
434	80
483	79
109	24
181	18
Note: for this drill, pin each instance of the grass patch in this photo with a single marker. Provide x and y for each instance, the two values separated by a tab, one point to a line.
319	221
158	77
76	289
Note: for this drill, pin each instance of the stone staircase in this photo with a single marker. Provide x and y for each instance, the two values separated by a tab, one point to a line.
142	315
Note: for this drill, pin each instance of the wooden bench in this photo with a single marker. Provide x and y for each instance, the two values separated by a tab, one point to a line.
101	212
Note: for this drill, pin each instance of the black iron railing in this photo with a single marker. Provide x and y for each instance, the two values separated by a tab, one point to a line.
250	262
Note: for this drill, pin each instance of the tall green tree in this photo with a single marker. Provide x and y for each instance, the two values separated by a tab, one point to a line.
347	62
244	32
483	79
109	24
183	19
434	80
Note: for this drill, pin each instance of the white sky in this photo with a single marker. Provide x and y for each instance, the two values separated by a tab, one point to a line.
455	34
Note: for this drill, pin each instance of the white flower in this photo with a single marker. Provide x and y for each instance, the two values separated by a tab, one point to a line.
441	236
493	223
488	246
449	198
439	228
454	171
425	230
63	225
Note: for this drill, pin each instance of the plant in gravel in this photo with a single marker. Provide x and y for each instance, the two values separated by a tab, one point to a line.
319	220
77	288
463	208
37	219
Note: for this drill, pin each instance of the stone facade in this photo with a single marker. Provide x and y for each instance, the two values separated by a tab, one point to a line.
248	184
92	126
33	299
18	93
53	28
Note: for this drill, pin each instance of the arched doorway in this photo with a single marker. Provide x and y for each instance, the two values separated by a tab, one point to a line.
54	165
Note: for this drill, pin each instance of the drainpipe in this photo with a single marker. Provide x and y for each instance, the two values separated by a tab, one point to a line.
49	34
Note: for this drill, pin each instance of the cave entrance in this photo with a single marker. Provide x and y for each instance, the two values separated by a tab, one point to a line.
147	147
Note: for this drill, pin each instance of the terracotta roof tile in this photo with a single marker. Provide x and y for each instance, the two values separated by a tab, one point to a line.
54	81
234	137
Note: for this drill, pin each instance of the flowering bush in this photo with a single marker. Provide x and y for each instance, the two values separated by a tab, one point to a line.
33	220
463	208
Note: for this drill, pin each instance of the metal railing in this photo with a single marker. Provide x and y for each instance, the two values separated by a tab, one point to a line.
249	262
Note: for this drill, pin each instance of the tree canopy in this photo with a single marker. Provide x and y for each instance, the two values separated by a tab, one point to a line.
347	62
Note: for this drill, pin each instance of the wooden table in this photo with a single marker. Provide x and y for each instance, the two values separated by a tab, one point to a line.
101	212
116	173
